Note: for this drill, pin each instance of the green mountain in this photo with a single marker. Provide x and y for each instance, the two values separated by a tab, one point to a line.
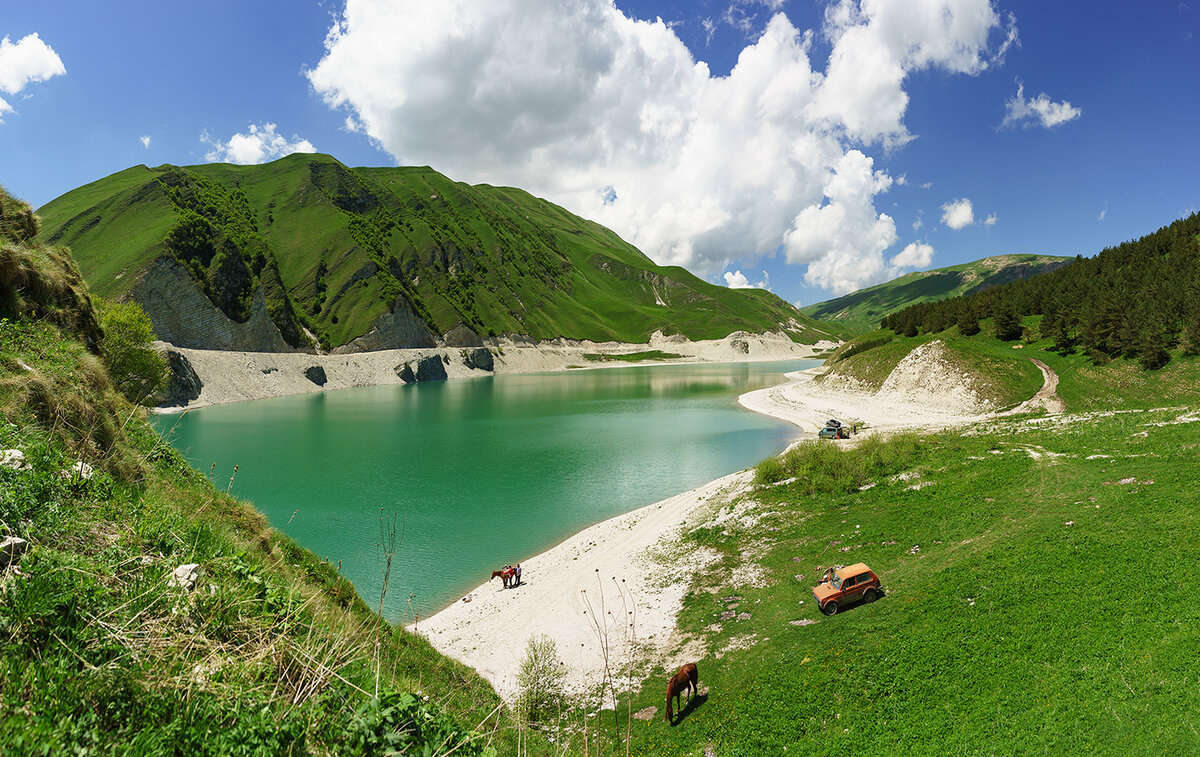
862	310
306	249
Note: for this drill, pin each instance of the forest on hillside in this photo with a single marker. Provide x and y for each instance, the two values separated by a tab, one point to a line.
1139	299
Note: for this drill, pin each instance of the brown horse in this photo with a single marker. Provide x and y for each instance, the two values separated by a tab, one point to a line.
684	680
505	575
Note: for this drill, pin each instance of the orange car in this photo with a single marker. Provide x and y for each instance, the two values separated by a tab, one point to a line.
849	584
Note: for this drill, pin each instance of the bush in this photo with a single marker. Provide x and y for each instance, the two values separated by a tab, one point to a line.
136	369
540	680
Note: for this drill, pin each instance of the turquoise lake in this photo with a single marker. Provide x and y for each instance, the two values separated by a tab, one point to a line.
481	472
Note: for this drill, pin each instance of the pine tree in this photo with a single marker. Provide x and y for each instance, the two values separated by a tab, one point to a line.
1007	326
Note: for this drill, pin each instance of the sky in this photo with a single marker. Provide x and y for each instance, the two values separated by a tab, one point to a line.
812	147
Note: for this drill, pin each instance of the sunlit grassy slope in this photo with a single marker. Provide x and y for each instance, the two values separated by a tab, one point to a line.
1038	574
348	243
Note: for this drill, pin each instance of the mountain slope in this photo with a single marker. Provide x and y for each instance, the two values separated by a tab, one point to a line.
371	258
862	310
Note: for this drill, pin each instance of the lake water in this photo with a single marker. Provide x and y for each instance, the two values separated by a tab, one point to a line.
481	472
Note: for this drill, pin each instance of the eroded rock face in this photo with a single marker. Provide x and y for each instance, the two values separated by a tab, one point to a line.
462	336
479	358
429	368
183	316
183	383
398	329
315	374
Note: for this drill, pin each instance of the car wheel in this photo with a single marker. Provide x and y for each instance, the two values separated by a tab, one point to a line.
870	596
829	608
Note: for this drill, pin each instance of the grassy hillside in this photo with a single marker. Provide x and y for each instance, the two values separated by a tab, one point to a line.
269	652
862	310
333	248
1037	570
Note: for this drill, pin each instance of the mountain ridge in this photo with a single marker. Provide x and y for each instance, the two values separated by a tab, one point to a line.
328	253
863	309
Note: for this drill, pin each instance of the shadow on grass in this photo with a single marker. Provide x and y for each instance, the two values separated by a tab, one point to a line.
693	704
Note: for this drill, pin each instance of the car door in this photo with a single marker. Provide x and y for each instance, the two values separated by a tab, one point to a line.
852	587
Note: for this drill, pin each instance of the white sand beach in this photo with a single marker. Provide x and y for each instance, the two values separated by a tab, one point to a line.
625	548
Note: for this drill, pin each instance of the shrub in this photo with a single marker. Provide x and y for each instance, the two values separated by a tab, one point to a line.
136	369
540	680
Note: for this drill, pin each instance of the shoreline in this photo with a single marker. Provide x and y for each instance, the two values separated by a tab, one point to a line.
640	552
229	377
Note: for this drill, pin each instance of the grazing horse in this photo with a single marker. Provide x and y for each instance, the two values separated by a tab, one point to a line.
684	680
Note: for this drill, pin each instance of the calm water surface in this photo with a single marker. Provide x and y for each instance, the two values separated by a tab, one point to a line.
481	472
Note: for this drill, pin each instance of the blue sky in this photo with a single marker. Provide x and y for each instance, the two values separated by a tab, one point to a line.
844	148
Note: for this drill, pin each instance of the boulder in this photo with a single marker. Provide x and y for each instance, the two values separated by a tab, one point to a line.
14	458
80	470
185	576
479	358
10	549
183	383
428	368
315	374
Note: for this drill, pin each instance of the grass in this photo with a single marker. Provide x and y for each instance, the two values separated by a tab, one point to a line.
271	652
631	357
1027	588
348	242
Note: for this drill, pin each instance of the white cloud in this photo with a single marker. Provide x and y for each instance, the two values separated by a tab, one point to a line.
991	219
614	119
915	255
259	145
145	142
958	214
1041	110
1103	212
736	280
22	63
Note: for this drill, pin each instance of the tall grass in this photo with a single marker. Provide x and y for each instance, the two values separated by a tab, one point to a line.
821	467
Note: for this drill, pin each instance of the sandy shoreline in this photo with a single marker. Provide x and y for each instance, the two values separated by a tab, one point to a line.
241	376
634	547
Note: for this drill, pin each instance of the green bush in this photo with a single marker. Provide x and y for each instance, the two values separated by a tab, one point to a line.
540	680
136	369
403	723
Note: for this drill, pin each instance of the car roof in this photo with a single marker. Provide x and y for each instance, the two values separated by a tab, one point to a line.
853	570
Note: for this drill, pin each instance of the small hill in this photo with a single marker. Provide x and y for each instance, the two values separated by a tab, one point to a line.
306	251
862	310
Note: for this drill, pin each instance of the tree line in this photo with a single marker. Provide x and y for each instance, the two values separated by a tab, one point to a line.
1139	299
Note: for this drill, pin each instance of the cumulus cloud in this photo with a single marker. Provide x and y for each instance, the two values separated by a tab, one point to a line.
958	214
915	255
735	280
145	141
991	219
260	144
1040	111
613	118
738	280
24	62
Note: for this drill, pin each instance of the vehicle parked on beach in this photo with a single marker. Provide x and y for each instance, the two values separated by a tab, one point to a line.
842	586
834	432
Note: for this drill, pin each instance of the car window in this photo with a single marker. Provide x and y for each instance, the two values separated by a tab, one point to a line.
849	582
